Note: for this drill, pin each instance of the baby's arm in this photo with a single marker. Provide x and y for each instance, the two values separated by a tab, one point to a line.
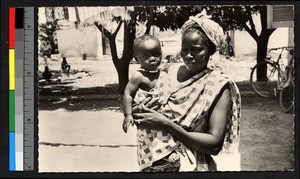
129	93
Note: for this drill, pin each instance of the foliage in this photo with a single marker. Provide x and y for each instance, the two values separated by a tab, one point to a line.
45	36
232	17
240	18
165	17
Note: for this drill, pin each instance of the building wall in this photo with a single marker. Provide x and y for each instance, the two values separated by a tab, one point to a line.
76	42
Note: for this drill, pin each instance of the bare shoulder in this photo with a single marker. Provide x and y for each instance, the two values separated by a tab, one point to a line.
223	98
136	78
225	95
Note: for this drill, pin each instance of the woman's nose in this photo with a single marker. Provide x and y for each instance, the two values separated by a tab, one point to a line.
153	58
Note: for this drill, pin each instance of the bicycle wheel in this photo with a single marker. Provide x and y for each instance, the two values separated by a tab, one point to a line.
264	85
286	98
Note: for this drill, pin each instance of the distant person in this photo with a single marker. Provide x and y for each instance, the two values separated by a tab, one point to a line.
228	48
47	74
55	47
65	66
145	83
231	51
47	49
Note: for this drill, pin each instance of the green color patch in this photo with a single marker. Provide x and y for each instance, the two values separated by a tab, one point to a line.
11	111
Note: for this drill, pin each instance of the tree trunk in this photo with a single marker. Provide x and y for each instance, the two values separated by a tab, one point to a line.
150	20
262	44
262	48
119	64
122	64
122	69
77	16
129	36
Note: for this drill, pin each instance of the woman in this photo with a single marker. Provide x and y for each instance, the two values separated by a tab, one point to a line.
202	110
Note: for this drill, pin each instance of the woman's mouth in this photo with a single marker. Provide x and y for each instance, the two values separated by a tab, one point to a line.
153	62
190	64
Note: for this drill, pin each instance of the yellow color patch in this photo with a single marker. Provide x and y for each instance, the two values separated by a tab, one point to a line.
11	69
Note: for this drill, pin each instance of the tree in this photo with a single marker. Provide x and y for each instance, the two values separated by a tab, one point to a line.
240	18
45	35
121	64
164	17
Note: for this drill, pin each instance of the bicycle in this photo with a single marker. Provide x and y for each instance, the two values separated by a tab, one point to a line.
278	79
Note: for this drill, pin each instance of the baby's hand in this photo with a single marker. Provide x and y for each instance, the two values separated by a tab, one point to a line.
127	120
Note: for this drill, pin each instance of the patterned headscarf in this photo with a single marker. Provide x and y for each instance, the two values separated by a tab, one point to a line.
212	29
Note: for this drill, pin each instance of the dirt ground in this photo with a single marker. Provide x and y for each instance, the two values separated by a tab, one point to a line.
267	134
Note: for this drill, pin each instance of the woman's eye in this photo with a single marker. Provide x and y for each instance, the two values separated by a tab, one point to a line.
196	50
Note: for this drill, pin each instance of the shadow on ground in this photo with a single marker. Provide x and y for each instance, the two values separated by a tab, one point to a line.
52	97
62	90
82	104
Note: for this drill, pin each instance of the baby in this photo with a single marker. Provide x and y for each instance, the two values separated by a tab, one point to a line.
148	52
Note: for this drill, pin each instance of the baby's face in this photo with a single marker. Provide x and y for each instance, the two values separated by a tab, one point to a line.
149	54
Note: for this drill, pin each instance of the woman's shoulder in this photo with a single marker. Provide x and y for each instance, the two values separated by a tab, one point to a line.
221	80
218	74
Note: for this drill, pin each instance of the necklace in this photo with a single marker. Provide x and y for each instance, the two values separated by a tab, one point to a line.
149	71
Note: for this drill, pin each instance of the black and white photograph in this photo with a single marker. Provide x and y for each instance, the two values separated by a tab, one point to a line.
166	88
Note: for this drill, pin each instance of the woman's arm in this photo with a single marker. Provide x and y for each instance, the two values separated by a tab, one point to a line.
212	141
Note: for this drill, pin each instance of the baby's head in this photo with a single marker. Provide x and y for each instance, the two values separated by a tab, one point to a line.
147	50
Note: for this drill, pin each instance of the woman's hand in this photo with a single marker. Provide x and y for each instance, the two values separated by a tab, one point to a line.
151	103
150	119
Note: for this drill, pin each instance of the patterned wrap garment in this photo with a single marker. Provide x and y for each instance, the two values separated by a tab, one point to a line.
187	104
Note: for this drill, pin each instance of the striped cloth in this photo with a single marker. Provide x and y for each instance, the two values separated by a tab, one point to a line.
187	104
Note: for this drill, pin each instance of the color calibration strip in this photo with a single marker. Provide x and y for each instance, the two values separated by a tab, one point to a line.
11	44
21	89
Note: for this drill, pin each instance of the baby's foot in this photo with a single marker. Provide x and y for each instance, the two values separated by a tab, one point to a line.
173	157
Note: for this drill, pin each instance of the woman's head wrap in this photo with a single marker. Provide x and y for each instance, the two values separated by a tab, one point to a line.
212	29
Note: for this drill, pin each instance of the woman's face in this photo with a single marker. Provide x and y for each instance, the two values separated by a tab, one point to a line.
194	51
